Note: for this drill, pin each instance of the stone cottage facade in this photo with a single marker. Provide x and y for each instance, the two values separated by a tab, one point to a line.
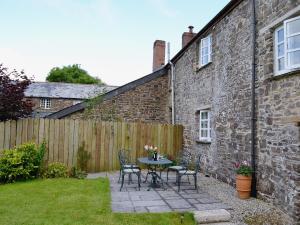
213	97
278	103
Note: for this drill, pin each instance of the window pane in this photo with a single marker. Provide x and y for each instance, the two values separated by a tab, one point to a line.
204	115
294	42
293	27
280	35
204	59
204	124
205	42
205	51
280	64
204	133
280	50
294	58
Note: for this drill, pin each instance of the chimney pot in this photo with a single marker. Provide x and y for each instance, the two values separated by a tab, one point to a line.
191	29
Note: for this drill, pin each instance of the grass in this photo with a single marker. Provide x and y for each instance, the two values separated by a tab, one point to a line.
71	201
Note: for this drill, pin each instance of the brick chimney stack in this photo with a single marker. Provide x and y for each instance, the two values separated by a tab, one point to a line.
159	49
188	36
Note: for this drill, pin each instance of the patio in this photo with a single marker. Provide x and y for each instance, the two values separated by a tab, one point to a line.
159	200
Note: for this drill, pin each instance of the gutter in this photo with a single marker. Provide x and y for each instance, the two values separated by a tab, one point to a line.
253	106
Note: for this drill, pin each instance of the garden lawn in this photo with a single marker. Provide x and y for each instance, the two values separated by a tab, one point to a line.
71	201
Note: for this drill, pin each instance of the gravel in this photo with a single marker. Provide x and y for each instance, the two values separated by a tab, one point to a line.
257	211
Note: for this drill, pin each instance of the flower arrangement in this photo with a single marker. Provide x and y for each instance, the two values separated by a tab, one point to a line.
151	150
244	168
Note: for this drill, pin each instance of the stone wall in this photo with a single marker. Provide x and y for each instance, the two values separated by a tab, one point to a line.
278	98
224	87
148	102
56	104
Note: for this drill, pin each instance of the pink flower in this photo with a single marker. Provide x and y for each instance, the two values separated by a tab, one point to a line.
245	163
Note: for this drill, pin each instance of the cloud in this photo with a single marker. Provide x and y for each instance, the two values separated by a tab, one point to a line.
164	7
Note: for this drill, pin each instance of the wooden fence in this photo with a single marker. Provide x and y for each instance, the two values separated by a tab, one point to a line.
102	139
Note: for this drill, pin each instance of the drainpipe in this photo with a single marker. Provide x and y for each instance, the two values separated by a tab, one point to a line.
172	85
253	106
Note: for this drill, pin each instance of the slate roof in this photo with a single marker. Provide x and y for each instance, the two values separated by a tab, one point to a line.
65	90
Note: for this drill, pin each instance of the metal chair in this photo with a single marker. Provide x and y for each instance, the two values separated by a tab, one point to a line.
128	169
184	159
187	172
124	157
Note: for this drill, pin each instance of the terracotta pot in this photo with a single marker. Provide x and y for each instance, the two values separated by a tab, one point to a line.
243	186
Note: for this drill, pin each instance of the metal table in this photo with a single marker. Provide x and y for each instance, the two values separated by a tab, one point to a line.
152	170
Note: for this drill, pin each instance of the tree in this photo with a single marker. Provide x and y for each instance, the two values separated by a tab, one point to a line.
71	74
12	102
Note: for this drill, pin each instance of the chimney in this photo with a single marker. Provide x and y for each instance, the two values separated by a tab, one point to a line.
159	48
188	36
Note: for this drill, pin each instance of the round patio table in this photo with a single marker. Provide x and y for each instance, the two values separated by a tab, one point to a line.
152	169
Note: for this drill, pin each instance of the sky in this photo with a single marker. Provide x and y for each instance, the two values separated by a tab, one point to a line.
110	39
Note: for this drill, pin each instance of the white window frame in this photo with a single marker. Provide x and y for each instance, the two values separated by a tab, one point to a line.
287	66
45	103
208	138
286	36
276	58
209	50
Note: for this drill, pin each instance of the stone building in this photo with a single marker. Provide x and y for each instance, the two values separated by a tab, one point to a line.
214	76
236	91
50	97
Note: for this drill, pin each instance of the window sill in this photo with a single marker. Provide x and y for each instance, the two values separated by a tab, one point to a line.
285	74
202	67
202	141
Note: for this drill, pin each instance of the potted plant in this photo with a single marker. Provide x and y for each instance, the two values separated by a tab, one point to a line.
243	179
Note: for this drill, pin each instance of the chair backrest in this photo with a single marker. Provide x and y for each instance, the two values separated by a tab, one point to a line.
185	158
123	157
197	163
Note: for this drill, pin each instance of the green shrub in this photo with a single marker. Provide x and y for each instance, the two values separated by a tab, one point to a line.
77	173
40	157
56	170
82	158
21	163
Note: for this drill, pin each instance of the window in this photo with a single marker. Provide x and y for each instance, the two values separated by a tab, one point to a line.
205	51
279	49
45	103
287	46
205	126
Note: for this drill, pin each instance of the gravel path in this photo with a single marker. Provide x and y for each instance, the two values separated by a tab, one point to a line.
260	211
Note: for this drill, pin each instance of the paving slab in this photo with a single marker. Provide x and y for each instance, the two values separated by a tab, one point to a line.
141	209
159	209
166	199
149	203
179	204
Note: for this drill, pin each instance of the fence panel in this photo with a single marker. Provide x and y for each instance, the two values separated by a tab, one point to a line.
101	139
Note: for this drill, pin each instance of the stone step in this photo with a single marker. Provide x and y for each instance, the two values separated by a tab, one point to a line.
212	216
